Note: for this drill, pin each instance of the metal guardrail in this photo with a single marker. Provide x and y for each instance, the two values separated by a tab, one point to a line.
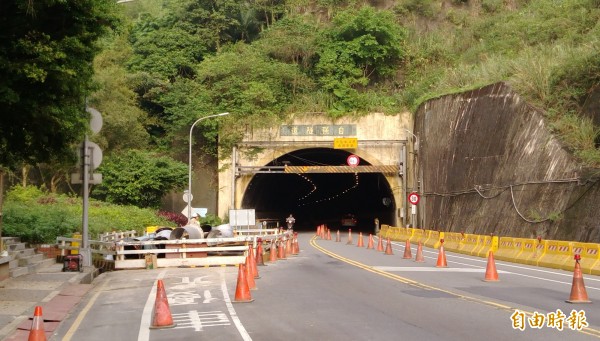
132	254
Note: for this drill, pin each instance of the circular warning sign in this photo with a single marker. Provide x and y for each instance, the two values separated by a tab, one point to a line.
413	198
353	160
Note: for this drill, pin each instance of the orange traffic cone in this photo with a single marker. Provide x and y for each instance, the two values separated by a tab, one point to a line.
259	253
349	237
380	245
281	249
36	333
161	316
578	292
242	291
252	261
328	234
273	251
370	244
319	231
337	239
360	240
295	246
250	274
491	274
441	261
407	251
288	247
419	258
388	248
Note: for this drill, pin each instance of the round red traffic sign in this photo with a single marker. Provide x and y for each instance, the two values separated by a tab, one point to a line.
413	198
353	160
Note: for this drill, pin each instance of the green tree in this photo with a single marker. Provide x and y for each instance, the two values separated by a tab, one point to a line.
290	40
139	178
245	81
46	53
361	47
124	121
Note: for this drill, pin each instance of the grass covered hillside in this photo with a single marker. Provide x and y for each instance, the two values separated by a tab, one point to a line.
262	61
549	51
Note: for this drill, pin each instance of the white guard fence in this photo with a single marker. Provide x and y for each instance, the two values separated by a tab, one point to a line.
128	253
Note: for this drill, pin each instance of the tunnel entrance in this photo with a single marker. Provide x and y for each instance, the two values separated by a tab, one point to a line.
321	198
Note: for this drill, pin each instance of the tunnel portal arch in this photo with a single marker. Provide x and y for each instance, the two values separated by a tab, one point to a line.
274	171
320	198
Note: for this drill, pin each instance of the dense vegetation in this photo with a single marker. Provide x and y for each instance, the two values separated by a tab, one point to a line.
265	60
165	63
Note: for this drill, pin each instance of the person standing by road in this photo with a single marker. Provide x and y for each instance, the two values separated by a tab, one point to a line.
290	222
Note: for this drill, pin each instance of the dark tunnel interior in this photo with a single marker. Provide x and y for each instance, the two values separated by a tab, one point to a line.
321	198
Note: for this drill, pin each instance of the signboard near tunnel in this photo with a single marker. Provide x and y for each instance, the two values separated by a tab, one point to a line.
353	160
318	130
345	143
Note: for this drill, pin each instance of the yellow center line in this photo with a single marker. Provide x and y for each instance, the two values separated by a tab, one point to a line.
313	243
84	312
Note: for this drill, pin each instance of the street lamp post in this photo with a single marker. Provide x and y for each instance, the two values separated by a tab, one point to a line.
414	172
189	190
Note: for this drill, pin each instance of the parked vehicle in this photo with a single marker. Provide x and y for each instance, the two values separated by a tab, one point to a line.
349	220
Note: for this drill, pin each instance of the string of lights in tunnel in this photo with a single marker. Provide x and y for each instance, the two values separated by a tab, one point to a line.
356	183
314	187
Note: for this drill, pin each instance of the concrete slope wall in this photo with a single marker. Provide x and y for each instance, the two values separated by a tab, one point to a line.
490	165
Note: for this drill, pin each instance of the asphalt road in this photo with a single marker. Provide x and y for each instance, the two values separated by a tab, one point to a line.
334	291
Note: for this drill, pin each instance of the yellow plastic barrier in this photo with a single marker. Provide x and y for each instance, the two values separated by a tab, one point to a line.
556	252
470	243
590	258
426	237
507	249
462	244
385	230
452	241
76	244
432	239
486	243
392	232
399	233
440	237
409	233
418	236
531	252
548	253
482	243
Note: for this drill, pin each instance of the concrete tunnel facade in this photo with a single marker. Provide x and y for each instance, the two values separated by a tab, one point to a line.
324	197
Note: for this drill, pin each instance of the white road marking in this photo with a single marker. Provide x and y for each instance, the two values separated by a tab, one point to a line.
144	333
503	264
198	320
423	269
234	317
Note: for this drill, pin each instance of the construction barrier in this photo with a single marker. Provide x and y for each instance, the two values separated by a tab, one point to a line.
468	244
531	251
452	241
508	248
548	253
590	257
75	243
556	253
433	238
383	233
486	243
418	235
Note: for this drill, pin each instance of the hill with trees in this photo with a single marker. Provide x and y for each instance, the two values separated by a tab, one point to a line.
153	67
